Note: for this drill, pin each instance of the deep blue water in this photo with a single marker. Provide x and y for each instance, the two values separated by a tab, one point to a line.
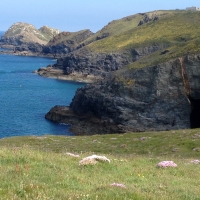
26	97
2	49
1	33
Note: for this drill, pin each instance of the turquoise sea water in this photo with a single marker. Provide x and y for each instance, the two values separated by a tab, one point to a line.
26	97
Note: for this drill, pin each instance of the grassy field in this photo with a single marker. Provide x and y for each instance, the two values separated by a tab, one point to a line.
40	168
173	28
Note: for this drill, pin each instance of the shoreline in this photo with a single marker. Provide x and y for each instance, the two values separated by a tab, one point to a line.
24	53
50	72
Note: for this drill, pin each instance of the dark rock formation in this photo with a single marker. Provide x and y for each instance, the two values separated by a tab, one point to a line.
102	36
88	65
140	52
66	42
84	124
91	63
33	47
148	18
161	97
23	33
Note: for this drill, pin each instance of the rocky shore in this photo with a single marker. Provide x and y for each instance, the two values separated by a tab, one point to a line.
86	124
53	72
156	98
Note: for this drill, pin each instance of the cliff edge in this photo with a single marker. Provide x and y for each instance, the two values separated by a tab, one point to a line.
149	78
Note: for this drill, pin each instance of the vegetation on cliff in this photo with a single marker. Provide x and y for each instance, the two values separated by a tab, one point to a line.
23	33
173	27
74	38
66	42
146	88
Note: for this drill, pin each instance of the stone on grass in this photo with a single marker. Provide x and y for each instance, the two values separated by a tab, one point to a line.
165	164
73	155
118	185
143	138
195	161
92	160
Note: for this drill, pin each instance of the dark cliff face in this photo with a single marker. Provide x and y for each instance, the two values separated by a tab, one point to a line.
151	98
32	47
87	63
66	42
98	65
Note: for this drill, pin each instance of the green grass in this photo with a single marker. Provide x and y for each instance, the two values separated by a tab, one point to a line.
117	27
39	168
63	37
173	29
177	31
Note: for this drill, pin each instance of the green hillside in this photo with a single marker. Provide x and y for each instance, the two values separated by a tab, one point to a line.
116	27
70	38
179	31
27	33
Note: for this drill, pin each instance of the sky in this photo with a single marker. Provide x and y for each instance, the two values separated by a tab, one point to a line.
76	15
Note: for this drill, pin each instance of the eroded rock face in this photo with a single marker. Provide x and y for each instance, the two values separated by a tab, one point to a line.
91	63
94	66
151	98
86	67
148	17
66	42
32	47
23	33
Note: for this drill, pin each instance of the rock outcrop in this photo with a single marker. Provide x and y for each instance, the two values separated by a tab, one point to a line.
160	97
148	18
23	33
86	66
66	42
49	32
26	38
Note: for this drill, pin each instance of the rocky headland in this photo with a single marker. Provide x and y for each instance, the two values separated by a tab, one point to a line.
24	39
161	97
144	86
22	33
85	67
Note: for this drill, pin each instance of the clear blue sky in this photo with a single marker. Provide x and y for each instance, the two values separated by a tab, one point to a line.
75	15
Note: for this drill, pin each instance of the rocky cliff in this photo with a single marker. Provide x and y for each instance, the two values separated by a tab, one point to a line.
85	66
66	42
150	78
113	47
160	97
23	33
26	38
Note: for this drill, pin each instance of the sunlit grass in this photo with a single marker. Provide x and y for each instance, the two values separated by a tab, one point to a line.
174	28
39	168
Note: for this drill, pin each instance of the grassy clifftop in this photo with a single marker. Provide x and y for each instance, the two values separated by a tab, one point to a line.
73	38
116	27
178	31
40	168
174	28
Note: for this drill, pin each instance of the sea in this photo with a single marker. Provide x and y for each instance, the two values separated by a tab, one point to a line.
26	97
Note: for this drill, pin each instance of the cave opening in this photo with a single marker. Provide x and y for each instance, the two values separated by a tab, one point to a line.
195	113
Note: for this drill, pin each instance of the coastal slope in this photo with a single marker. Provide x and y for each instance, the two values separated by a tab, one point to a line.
26	39
156	89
